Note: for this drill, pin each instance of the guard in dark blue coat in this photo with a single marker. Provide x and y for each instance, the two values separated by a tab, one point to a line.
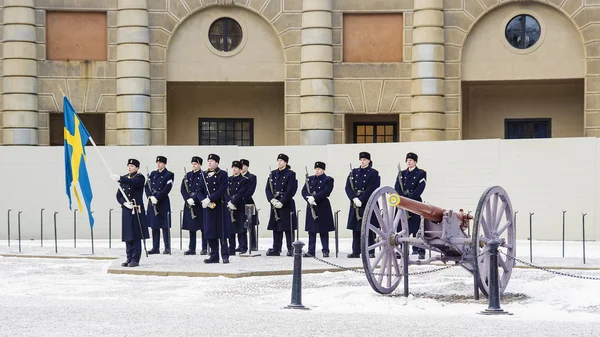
192	187
158	186
134	228
237	190
280	190
316	192
215	210
361	183
410	183
250	201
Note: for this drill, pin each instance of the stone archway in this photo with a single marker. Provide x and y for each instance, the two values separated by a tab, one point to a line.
478	55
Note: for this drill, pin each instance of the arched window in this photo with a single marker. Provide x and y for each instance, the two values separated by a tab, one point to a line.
225	34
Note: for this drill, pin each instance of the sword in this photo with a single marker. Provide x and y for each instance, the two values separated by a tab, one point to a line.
187	189
231	214
151	191
356	209
212	205
311	206
275	194
137	214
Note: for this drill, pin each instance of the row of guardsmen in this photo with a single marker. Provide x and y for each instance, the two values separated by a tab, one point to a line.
216	203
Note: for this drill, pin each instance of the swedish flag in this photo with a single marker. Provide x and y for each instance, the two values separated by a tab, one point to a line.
76	137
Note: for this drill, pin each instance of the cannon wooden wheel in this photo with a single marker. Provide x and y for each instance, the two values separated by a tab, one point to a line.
494	219
385	265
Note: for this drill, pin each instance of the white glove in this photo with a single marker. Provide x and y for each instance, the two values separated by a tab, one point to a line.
115	177
190	202
311	200
128	204
205	202
357	202
231	206
153	200
274	201
278	204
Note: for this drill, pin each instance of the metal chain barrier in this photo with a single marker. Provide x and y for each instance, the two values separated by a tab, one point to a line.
380	274
550	270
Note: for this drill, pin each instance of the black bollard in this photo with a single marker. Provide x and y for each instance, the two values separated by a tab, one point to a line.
75	228
297	225
8	237
92	236
55	239
181	230
110	228
531	237
583	234
297	278
42	228
494	289
563	236
337	241
405	260
169	219
19	228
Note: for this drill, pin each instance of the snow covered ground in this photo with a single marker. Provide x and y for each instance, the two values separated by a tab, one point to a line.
76	297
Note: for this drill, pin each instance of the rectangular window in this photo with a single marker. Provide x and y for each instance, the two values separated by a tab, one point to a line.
527	128
373	37
94	123
76	36
226	131
383	132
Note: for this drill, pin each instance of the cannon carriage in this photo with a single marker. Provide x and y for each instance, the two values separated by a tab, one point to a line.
450	236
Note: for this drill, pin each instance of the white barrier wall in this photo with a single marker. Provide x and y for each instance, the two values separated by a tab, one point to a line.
541	176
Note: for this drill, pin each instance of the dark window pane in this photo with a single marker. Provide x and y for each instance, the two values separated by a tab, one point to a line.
225	34
523	31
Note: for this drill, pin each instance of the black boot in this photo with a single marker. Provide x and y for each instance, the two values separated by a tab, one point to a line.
211	260
353	256
125	264
189	252
167	251
203	252
153	251
133	264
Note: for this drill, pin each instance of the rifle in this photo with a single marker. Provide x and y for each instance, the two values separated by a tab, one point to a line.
356	209
187	189
400	180
275	194
212	205
231	214
311	206
151	191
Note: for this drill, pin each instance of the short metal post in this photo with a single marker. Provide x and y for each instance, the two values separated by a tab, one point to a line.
531	237
494	288
298	225
257	225
8	237
19	228
169	220
583	234
292	225
405	259
476	285
110	228
55	239
181	230
92	236
297	278
42	228
75	228
337	242
563	236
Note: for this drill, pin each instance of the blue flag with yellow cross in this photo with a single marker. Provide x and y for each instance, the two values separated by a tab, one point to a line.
76	137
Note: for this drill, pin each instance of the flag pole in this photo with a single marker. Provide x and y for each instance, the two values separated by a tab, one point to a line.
101	157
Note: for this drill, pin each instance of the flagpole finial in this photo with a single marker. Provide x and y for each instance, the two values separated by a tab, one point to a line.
61	91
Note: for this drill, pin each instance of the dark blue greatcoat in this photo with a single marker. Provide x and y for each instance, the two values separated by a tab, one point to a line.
366	181
285	186
237	190
133	186
321	188
215	224
250	192
161	184
196	192
414	183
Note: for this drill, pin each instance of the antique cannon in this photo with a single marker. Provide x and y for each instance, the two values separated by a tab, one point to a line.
443	232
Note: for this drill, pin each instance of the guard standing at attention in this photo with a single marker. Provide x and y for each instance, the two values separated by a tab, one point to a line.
250	201
192	187
133	226
158	186
237	190
319	216
215	226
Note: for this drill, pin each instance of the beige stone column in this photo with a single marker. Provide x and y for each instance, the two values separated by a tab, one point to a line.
133	73
316	87
20	103
427	90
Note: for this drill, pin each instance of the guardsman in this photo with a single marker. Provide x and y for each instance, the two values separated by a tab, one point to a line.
320	186
133	229
192	187
158	186
280	190
250	201
412	186
237	189
361	183
215	225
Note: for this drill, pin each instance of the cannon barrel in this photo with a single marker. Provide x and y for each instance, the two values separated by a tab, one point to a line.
429	212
